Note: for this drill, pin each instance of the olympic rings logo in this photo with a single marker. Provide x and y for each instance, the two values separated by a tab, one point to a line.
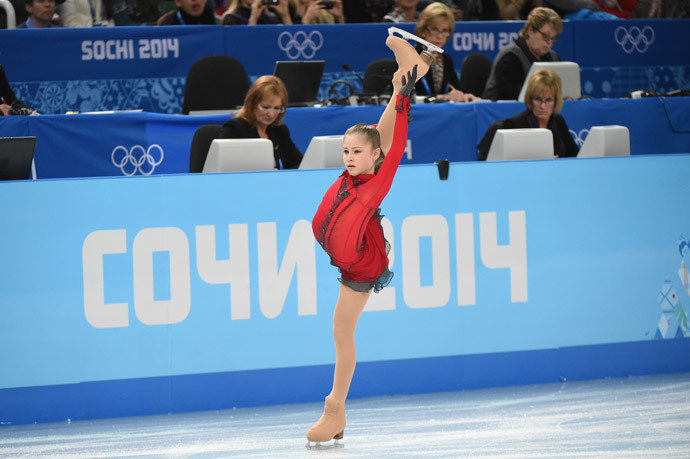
579	137
634	38
300	44
137	159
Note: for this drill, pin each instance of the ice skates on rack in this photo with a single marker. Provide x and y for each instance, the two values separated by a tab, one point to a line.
331	426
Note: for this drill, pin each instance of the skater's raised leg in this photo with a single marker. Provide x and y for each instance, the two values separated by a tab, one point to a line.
407	57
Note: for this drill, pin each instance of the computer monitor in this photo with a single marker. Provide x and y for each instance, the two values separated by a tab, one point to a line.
528	143
302	80
606	141
570	78
323	152
232	155
16	156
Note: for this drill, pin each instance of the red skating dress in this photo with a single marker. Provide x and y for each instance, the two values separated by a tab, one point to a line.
347	222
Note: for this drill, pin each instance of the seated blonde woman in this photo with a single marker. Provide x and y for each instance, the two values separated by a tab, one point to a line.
543	99
436	25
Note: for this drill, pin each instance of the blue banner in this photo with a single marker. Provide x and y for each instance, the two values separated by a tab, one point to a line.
631	43
115	279
127	68
151	143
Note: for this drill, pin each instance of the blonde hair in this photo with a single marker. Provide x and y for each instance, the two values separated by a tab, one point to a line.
264	86
541	81
374	138
540	16
434	12
231	9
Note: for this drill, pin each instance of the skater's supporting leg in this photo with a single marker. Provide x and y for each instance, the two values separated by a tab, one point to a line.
406	56
347	311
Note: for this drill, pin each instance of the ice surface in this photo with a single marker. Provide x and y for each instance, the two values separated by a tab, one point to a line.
628	418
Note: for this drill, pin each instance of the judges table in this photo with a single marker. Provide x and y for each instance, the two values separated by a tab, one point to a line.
112	144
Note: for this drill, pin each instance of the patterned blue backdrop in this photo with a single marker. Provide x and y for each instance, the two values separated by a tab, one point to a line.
84	70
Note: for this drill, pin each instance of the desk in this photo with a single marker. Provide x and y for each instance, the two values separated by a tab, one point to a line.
94	145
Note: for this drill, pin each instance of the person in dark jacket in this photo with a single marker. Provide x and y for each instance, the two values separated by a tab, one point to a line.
9	104
513	62
544	100
261	116
189	12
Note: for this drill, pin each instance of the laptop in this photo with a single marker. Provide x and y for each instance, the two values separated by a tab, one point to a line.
16	156
302	80
570	78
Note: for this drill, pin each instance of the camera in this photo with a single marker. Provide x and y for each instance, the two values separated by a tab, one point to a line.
327	5
269	2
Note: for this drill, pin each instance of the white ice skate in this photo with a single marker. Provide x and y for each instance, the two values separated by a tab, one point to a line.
317	445
410	36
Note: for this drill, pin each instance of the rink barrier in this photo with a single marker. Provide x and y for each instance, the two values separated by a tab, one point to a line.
166	294
223	391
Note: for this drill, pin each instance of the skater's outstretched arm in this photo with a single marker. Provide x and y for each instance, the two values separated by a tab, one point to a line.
378	187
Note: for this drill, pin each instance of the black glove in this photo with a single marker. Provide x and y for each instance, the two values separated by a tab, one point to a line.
408	85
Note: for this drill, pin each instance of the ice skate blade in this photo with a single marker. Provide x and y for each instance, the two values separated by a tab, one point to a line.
317	446
409	36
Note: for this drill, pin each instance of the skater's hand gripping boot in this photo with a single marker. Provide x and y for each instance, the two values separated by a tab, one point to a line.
408	84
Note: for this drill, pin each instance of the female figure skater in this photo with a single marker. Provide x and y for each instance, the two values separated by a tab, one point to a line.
347	226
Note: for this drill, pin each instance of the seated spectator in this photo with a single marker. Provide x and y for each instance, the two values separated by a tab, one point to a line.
253	12
189	12
366	10
516	9
75	13
319	12
620	8
41	14
566	7
459	8
9	104
543	99
436	25
261	116
665	9
513	62
402	11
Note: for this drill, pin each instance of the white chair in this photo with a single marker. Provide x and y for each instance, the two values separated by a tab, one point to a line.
231	155
570	78
9	12
510	144
606	141
323	152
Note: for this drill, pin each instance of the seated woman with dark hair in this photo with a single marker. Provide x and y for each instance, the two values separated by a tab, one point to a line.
544	100
261	116
189	12
255	12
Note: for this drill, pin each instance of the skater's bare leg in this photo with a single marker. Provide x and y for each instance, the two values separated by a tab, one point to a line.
347	311
407	57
